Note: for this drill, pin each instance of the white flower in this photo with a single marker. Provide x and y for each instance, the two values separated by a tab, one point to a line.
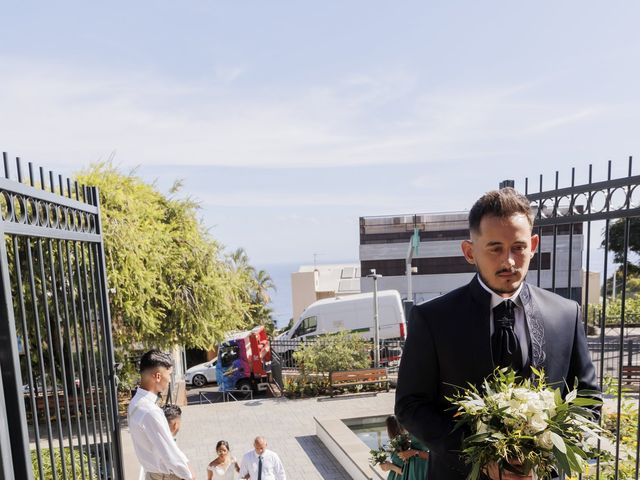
537	423
473	406
544	440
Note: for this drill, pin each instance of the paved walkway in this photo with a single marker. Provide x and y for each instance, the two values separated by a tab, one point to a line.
288	426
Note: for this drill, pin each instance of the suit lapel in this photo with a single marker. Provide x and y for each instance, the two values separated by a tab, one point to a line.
536	328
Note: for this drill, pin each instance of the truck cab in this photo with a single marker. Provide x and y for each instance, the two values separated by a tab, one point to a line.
244	361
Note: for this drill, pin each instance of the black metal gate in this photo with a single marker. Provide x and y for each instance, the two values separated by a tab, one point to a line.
579	215
58	411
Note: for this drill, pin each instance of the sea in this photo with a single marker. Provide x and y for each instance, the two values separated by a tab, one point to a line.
281	298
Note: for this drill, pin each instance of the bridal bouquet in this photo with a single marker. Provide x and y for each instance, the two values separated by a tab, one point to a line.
525	425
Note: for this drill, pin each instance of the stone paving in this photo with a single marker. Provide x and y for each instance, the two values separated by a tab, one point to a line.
288	426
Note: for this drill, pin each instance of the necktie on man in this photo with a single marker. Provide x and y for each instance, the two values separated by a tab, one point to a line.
505	344
260	467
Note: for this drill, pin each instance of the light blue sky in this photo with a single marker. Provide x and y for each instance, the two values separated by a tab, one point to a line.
289	120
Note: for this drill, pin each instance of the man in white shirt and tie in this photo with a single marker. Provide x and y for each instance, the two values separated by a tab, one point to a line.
153	443
261	463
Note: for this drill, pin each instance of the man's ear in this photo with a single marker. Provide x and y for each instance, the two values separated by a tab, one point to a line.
467	251
535	241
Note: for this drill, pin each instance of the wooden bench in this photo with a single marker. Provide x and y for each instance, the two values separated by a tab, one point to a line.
365	376
41	405
631	377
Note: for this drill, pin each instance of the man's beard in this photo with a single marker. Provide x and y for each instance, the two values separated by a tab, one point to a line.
501	291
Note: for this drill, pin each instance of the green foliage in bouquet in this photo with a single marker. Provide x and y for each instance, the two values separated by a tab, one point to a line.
524	425
378	457
400	443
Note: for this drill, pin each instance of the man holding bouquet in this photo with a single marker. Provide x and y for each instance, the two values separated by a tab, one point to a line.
496	320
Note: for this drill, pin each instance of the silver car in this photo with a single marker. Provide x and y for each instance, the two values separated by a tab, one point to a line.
200	375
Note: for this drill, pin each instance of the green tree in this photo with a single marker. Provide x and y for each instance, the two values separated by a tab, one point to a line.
258	284
170	284
616	239
616	245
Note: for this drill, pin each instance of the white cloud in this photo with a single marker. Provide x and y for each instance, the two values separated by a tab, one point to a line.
63	114
298	200
562	120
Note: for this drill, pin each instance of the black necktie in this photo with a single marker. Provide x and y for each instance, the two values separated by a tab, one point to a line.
260	467
506	347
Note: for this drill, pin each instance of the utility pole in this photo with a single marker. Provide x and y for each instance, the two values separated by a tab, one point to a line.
376	321
414	243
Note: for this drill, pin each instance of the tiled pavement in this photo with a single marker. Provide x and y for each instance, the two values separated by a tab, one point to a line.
288	426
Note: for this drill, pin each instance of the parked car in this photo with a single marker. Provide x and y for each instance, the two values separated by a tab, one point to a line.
200	375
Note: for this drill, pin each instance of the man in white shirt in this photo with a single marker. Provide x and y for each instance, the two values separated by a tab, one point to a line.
261	463
153	443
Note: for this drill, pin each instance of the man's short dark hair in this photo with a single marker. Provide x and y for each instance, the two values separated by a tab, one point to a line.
171	412
501	203
154	359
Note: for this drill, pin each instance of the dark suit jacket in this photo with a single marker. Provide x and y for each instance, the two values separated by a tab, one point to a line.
449	344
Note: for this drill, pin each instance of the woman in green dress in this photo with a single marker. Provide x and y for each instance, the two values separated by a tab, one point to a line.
395	463
416	461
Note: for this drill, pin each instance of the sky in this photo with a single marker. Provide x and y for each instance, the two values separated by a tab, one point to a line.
288	120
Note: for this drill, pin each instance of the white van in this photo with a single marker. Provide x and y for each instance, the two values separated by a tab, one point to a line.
353	313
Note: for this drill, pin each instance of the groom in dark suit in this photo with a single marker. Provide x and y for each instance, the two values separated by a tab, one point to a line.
495	320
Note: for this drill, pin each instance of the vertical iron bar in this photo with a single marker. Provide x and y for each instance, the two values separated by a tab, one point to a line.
555	237
15	460
5	160
571	226
621	341
588	269
539	237
102	272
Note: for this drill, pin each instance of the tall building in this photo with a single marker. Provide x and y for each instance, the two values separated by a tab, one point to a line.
441	267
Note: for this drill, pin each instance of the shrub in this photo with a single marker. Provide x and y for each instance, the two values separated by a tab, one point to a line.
330	353
47	468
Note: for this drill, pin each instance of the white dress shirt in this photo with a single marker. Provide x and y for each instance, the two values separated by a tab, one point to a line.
520	326
272	468
153	443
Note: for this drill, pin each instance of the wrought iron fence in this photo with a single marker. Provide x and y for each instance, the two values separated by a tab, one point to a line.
590	211
58	412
